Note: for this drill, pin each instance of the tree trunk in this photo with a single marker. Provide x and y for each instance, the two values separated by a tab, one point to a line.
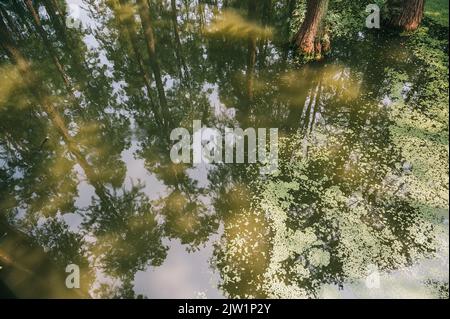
179	54
48	44
21	13
131	35
56	19
12	25
251	53
37	91
405	14
310	39
144	13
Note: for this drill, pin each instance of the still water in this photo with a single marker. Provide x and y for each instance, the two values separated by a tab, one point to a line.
86	111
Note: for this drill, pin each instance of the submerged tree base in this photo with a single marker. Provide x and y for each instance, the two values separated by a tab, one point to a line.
312	40
405	15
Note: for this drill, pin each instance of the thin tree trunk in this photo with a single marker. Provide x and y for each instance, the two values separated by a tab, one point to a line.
406	14
290	6
20	11
144	13
309	38
60	10
251	59
251	53
12	25
131	35
177	37
36	89
56	19
49	46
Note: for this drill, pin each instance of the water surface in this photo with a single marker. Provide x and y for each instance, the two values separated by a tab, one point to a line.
86	172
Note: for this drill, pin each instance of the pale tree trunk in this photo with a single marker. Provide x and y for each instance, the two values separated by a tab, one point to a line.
311	38
406	14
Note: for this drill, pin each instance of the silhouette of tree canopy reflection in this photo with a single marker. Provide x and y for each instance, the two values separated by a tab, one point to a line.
128	237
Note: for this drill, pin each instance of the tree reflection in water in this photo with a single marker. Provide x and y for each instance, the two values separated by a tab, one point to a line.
72	101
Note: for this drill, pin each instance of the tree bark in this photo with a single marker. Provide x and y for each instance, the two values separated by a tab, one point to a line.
406	14
309	38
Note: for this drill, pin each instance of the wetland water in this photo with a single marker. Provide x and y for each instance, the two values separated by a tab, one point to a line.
357	208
